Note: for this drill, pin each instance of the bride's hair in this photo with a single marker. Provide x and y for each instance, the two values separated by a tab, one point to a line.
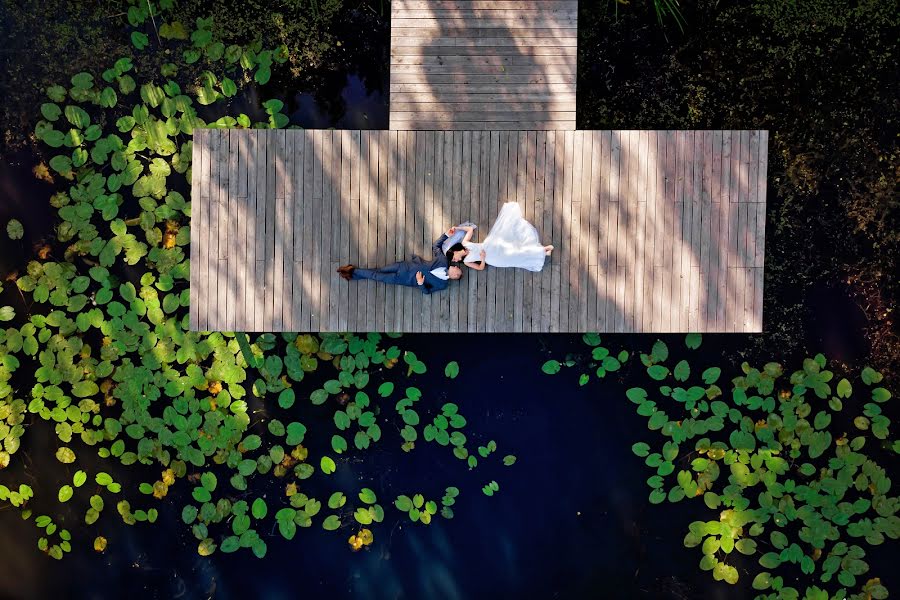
452	249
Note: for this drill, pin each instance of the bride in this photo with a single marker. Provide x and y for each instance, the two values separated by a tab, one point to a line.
511	242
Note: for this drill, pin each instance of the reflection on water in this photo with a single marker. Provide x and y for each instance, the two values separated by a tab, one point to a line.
355	108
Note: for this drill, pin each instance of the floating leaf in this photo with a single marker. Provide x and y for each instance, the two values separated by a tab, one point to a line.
640	449
657	372
551	367
259	509
452	369
327	465
65	455
65	493
140	41
693	340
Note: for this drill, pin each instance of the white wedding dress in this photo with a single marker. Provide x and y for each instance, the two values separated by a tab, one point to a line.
511	242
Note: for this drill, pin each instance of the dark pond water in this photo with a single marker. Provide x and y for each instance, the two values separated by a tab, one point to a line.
571	519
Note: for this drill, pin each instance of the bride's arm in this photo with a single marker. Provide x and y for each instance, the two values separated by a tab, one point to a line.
482	264
469	231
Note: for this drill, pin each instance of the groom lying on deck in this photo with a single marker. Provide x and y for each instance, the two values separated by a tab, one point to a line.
430	276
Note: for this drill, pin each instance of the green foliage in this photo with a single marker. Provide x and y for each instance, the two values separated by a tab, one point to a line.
14	229
601	361
765	460
114	369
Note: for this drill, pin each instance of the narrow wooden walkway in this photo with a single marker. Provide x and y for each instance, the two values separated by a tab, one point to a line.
655	230
483	64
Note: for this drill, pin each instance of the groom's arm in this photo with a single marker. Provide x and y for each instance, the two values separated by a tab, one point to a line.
431	284
436	247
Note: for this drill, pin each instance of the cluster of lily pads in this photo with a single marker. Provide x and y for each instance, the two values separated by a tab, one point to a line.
601	362
104	356
781	484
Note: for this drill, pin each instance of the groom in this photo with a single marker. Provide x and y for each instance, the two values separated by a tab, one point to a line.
431	276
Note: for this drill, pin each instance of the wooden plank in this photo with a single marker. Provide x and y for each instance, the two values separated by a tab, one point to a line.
239	253
364	222
439	314
528	144
304	238
753	167
276	139
269	241
655	220
539	285
603	230
400	243
498	182
593	206
346	217
515	280
427	38
256	246
477	213
763	166
221	232
546	48
198	293
474	33
350	201
535	12
485	314
519	95
316	156
465	163
745	167
654	170
399	6
330	194
426	124
441	116
372	196
639	239
378	233
585	274
196	208
416	177
576	282
502	19
552	191
213	321
427	105
290	183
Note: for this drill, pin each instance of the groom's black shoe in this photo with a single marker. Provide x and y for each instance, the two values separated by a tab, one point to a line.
346	272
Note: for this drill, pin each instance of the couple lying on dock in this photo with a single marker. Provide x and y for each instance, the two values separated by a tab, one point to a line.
511	242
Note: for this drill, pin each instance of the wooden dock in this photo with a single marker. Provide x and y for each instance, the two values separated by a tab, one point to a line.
656	231
483	64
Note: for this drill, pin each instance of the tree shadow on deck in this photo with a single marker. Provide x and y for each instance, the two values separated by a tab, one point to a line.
655	231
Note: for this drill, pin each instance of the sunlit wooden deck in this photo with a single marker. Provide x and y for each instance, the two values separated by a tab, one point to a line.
655	231
480	64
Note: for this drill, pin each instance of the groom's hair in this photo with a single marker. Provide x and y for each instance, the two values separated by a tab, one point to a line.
452	249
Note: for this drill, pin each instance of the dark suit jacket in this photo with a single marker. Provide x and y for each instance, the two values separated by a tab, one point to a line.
439	259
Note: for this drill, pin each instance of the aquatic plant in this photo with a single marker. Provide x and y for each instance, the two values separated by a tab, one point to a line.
766	458
105	356
601	362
